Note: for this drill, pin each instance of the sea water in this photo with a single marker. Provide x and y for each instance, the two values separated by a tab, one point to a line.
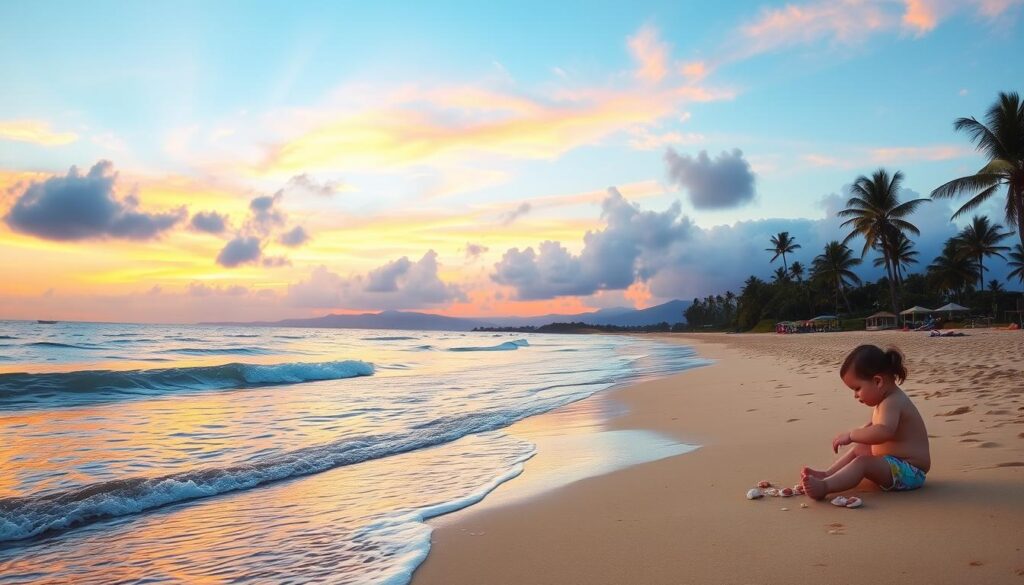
226	454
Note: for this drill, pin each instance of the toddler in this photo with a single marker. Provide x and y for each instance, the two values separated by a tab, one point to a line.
892	449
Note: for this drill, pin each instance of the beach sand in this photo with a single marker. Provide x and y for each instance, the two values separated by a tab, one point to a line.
769	405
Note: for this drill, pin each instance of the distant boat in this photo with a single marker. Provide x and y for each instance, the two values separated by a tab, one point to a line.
45	322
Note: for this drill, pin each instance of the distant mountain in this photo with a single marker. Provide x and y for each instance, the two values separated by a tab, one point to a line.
670	312
384	320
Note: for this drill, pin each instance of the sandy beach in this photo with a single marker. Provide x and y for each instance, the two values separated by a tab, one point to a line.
769	405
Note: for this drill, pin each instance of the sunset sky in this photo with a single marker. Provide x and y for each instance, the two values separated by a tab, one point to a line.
187	161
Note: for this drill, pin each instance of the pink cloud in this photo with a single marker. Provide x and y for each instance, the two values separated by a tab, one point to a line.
650	53
901	154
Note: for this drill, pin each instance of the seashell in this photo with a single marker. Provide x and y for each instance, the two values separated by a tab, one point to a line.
754	494
854	502
799	489
786	492
803	505
784	509
764	484
839	501
771	492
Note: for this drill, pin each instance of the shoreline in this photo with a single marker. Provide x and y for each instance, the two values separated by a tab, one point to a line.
769	405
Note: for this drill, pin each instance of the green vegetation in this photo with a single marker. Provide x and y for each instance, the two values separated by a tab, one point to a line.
875	213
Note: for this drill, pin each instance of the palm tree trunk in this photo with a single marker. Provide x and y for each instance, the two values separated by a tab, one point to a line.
892	281
846	301
784	265
981	272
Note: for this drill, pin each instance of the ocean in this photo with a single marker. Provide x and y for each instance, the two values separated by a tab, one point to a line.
189	453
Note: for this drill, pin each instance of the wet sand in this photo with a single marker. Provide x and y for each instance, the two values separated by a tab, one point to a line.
769	405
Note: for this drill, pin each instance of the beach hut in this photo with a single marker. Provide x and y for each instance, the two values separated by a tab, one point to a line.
951	308
882	320
825	323
914	312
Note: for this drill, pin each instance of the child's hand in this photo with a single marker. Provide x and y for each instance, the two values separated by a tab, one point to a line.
840	440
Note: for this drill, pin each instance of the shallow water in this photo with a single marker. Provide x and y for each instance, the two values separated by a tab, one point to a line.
192	453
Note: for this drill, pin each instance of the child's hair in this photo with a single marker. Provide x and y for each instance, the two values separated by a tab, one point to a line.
870	360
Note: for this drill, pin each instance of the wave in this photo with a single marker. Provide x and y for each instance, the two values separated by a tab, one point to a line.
34	515
64	345
76	388
506	346
7	337
122	335
386	338
242	335
217	350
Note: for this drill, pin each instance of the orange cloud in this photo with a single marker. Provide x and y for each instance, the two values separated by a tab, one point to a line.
650	53
35	132
921	15
937	152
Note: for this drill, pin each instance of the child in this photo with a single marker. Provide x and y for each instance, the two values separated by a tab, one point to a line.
892	449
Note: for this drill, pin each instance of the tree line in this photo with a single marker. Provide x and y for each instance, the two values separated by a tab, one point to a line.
875	214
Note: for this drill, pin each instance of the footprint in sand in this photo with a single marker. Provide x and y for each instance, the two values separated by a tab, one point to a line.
970	440
988	445
968	434
956	411
792	420
1011	464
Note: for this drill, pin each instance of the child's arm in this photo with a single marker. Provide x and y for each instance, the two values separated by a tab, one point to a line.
872	433
882	431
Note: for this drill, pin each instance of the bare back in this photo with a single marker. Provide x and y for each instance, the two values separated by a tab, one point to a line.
911	440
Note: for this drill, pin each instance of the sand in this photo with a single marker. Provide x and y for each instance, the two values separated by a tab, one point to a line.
769	405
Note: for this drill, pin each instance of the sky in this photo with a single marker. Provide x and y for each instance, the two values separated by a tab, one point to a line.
190	161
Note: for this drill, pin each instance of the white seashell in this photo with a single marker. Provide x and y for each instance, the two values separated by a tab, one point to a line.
799	489
754	494
784	509
854	502
771	492
803	505
839	501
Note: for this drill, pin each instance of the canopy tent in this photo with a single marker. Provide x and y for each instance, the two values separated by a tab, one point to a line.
882	320
952	308
915	311
825	318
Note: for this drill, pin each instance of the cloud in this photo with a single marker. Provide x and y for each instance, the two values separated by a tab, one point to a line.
727	181
307	184
644	139
475	250
902	154
77	207
632	246
35	132
851	22
275	261
650	54
264	216
241	250
399	284
522	209
200	289
294	237
210	222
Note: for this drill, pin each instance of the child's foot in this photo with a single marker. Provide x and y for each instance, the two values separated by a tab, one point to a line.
808	472
815	487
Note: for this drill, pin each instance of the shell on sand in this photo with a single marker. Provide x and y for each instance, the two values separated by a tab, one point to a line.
799	489
764	484
771	492
851	502
786	492
754	494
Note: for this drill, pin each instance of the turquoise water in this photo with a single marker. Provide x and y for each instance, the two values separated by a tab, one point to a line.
194	453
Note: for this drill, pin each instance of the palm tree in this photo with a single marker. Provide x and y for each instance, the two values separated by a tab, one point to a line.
780	276
877	215
951	271
903	256
995	287
782	244
1017	263
797	271
1001	140
979	239
834	267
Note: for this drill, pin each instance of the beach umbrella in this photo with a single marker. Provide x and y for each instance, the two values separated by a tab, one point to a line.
952	308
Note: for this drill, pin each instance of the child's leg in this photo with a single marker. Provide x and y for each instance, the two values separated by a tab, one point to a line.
841	462
860	467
